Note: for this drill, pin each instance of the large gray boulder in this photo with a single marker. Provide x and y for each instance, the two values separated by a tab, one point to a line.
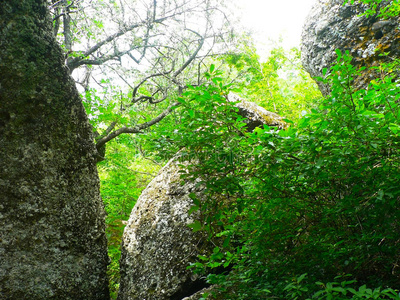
157	243
52	229
330	26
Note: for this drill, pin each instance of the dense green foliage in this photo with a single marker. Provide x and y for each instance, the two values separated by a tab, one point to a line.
125	172
307	212
279	84
320	198
123	176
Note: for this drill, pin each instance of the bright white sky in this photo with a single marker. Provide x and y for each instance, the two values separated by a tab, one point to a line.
271	19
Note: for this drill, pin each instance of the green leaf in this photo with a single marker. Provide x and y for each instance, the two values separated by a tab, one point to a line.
212	67
196	226
339	54
193	209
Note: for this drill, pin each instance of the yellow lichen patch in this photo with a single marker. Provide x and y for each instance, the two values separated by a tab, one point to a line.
369	48
257	114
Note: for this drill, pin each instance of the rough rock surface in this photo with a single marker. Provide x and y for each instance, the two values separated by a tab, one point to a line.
256	116
52	229
200	293
157	244
330	26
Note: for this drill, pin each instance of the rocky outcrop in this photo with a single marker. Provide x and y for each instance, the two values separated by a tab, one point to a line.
52	228
255	115
157	243
330	26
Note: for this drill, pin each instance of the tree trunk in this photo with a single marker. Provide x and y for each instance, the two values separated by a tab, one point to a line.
52	230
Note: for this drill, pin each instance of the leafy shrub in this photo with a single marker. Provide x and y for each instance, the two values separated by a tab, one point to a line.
321	198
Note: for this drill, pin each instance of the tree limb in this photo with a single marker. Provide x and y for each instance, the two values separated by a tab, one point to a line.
193	56
134	92
137	129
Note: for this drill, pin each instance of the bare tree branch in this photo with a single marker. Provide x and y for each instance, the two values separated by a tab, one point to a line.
76	62
134	92
193	56
137	129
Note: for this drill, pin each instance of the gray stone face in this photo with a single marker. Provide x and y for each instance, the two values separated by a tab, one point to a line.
52	230
157	243
330	26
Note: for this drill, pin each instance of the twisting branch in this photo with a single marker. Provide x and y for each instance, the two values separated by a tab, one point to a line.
155	34
194	54
173	78
55	3
134	92
137	129
107	131
77	61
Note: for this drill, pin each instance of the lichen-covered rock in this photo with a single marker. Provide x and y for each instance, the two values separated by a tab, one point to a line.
52	229
157	243
331	26
256	116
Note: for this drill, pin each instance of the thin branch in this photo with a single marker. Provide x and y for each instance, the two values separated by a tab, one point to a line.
63	14
76	62
193	56
134	92
152	101
137	129
148	158
120	76
107	131
174	76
